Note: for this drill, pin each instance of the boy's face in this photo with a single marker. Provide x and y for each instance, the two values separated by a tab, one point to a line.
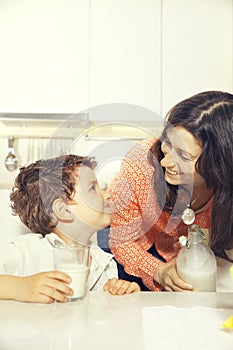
92	206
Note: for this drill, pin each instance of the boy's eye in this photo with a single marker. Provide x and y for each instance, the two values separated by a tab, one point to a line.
93	188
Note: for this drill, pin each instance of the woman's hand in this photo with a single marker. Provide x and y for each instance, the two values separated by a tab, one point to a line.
169	279
116	286
44	287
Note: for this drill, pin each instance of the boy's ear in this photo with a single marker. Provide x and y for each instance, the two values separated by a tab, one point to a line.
62	210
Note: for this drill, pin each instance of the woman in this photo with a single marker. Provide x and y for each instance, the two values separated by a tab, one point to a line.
191	165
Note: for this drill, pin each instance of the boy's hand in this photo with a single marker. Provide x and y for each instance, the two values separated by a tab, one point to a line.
116	286
44	287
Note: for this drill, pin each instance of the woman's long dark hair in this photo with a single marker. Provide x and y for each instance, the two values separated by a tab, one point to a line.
209	117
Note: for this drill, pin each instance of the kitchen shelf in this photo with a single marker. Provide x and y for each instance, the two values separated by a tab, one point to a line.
66	120
43	125
67	126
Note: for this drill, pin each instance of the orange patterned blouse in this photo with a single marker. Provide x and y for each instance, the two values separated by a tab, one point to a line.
138	223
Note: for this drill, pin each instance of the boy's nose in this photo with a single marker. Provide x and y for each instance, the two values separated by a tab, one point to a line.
105	194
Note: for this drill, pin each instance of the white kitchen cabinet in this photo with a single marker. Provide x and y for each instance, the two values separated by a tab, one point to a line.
125	53
44	55
196	48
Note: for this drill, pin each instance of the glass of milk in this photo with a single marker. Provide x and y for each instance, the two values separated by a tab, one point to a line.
73	259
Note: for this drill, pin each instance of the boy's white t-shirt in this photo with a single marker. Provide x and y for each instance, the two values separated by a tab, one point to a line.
32	253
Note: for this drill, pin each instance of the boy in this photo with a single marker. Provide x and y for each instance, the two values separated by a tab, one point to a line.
60	201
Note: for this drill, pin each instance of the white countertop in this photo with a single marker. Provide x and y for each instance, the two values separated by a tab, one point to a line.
102	321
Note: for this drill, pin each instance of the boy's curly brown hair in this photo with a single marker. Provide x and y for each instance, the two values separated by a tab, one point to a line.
39	184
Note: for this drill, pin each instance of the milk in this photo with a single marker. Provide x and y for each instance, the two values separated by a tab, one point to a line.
78	274
196	263
202	281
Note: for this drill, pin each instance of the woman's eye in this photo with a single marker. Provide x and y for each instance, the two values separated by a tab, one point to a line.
185	157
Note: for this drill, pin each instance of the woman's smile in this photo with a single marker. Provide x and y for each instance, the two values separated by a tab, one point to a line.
172	172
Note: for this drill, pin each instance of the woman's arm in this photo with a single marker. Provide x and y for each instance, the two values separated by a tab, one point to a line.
135	212
138	262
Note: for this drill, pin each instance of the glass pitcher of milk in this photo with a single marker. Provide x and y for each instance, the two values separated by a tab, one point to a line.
196	262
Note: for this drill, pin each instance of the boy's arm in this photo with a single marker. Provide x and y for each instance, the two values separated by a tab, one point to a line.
44	287
117	286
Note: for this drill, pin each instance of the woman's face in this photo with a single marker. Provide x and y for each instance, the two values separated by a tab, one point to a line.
181	151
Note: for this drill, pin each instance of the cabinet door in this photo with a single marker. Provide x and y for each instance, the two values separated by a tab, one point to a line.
125	53
44	56
197	48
